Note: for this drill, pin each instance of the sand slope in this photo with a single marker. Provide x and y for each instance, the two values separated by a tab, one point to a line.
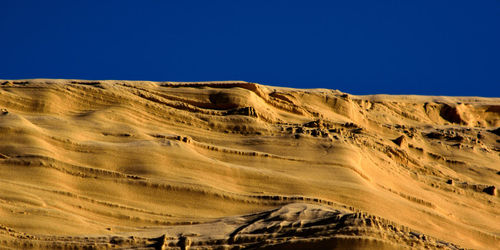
242	165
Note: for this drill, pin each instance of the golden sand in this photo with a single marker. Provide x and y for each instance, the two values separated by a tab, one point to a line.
234	165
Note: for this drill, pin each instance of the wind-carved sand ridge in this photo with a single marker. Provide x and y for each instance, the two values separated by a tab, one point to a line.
238	165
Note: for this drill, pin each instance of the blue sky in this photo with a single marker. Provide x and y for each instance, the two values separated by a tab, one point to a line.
361	47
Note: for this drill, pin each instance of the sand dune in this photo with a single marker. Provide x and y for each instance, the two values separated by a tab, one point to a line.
238	165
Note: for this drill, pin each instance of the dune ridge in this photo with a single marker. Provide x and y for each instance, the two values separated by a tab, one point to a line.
239	165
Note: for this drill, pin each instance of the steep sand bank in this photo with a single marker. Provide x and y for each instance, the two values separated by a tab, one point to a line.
242	165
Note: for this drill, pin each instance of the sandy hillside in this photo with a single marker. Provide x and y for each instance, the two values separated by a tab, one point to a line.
237	165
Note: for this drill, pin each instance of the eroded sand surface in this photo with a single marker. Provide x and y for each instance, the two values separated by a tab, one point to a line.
234	165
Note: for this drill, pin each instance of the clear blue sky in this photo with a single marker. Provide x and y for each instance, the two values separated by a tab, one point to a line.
435	47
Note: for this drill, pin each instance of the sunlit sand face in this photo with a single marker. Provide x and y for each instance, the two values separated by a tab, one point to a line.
237	164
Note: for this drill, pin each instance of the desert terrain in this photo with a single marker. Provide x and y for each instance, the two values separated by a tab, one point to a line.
239	165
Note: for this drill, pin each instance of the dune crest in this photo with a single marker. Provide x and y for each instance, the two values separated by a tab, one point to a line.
235	165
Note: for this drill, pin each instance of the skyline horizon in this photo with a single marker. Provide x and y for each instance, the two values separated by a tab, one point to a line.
260	83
